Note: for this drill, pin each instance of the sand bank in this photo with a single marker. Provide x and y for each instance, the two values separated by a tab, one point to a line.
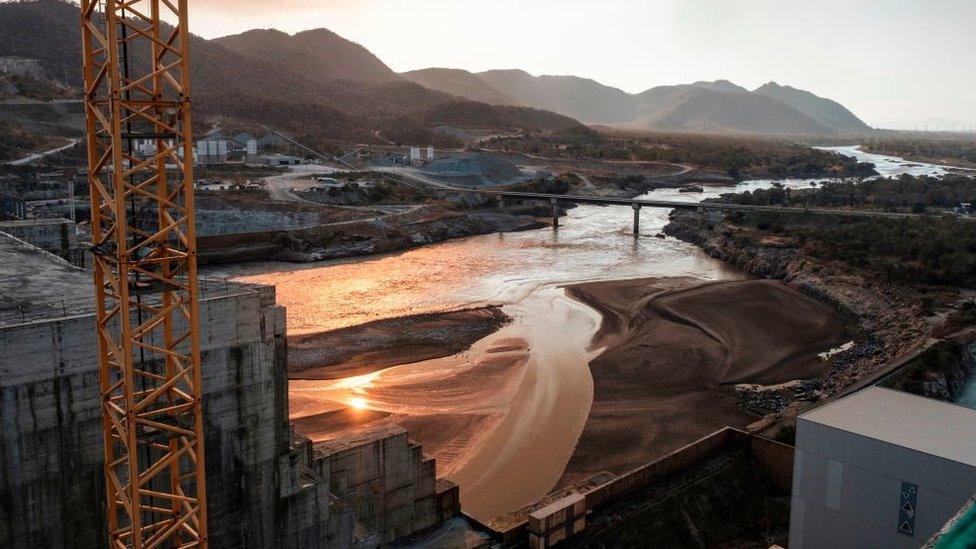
672	346
380	344
562	392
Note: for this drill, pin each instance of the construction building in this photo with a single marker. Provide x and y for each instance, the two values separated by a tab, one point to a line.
421	156
880	468
212	150
279	160
251	151
266	486
57	236
243	138
12	207
271	139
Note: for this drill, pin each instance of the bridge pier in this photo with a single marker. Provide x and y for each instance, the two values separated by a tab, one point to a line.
555	213
701	217
637	209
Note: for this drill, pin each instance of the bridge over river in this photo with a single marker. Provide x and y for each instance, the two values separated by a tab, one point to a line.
700	207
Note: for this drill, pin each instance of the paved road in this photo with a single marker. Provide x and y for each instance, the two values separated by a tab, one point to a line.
40	155
282	188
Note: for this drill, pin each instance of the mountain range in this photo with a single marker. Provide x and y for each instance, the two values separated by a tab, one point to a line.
313	83
719	106
317	82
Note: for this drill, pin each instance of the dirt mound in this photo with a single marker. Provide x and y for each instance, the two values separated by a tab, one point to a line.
475	169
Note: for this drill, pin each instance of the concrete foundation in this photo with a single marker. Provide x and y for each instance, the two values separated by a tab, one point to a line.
385	478
728	488
57	236
262	491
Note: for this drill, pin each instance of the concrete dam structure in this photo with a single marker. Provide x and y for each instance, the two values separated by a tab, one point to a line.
267	487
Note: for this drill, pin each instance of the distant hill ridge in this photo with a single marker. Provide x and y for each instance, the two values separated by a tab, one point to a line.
719	106
319	53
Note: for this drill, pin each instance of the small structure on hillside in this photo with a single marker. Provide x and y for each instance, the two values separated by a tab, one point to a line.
243	138
271	139
212	149
419	156
279	160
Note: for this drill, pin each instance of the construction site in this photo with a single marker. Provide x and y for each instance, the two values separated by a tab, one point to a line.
150	409
168	378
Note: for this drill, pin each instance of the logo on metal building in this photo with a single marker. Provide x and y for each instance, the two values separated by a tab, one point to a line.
908	509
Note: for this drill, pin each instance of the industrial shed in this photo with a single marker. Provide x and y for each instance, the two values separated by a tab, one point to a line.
880	468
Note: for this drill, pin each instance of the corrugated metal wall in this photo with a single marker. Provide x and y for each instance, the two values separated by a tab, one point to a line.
848	491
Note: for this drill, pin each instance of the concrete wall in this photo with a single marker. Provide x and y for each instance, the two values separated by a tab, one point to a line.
847	490
259	493
773	462
717	496
233	248
776	460
57	236
673	462
386	480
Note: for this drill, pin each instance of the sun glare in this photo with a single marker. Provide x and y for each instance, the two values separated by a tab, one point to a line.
358	403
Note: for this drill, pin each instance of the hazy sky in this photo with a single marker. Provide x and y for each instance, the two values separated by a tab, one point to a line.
890	61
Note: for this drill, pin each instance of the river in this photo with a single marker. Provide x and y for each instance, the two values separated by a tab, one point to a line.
526	426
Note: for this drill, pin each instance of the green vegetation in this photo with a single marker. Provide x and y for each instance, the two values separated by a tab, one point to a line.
786	435
548	185
962	317
33	88
927	250
954	150
906	193
739	157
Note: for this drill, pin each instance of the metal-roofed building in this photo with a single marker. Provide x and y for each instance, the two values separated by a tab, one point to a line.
880	468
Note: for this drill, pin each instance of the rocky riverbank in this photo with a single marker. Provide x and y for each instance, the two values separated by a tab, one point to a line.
388	233
944	372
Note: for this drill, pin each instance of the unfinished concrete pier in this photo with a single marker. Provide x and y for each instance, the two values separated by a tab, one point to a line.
260	491
266	486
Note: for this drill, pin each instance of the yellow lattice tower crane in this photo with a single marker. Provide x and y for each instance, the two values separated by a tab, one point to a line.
140	173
